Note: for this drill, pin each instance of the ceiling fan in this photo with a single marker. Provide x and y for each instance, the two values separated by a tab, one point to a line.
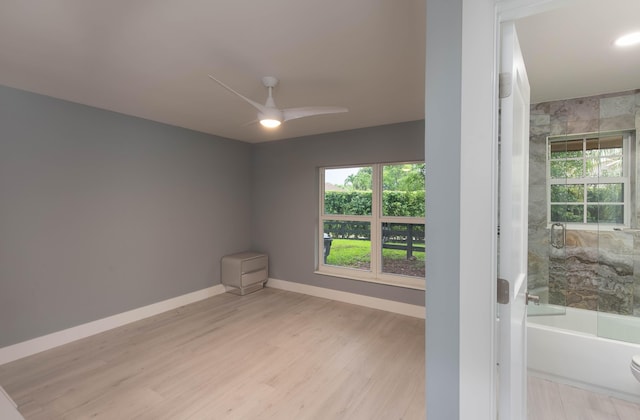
271	116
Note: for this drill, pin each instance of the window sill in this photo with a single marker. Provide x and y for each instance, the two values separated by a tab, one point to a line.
396	281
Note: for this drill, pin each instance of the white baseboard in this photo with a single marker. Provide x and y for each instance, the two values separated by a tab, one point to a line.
415	311
58	338
8	408
7	397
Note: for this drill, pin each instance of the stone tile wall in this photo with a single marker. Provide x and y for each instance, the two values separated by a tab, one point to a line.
595	270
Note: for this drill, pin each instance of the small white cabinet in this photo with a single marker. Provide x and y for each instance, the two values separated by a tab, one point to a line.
244	272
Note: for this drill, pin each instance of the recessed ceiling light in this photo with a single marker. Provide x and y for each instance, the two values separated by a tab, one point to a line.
628	40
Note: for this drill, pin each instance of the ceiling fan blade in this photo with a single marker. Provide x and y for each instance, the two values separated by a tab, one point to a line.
309	111
254	122
255	104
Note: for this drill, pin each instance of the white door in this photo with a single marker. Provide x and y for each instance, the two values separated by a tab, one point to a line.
512	264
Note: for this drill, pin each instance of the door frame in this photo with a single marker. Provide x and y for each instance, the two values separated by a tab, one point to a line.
465	278
477	304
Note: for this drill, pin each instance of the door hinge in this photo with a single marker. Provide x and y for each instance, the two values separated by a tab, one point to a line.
504	85
503	291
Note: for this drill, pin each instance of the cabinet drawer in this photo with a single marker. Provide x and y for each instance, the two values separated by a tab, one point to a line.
254	264
254	277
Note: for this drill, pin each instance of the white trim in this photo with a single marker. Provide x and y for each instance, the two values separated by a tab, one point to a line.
401	308
518	9
375	273
475	295
8	408
584	181
58	338
8	397
416	283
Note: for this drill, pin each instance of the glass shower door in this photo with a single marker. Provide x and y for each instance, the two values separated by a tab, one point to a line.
557	202
618	238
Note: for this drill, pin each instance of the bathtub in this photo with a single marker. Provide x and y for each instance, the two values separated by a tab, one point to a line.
568	349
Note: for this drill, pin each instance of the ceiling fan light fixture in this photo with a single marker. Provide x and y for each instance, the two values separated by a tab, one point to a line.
270	115
628	40
270	123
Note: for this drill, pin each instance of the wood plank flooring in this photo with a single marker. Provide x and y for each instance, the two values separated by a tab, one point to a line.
552	401
267	355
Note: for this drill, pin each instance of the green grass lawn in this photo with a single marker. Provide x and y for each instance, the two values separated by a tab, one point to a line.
350	253
357	253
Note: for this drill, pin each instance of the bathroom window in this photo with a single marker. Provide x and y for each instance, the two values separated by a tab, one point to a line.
372	223
588	180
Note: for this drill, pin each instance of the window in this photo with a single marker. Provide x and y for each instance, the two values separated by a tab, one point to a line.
588	180
372	223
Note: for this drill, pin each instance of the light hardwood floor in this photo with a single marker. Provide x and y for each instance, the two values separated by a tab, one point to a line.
552	401
267	355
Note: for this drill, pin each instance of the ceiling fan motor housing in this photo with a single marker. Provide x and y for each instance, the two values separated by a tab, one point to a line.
269	81
270	114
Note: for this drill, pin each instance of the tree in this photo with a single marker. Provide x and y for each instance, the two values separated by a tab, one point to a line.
405	177
360	181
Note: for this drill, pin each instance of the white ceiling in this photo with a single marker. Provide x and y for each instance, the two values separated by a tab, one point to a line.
151	58
569	52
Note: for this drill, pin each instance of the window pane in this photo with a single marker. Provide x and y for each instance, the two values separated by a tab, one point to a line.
607	152
403	190
557	169
593	147
592	170
348	191
605	193
566	149
561	169
347	244
567	193
606	146
611	146
403	249
607	213
567	213
611	166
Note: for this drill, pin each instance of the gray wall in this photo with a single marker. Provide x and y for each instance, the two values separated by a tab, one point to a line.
101	213
285	198
443	154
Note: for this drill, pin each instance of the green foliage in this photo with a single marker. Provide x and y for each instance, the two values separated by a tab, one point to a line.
405	177
347	202
348	229
573	193
402	177
403	203
605	193
360	181
612	213
562	213
596	193
394	203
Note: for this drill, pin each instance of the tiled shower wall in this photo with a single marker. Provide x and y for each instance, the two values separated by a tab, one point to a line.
597	270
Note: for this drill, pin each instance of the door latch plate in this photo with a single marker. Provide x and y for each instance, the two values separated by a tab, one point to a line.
503	291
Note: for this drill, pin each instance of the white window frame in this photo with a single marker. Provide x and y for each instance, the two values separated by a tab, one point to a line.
625	179
375	220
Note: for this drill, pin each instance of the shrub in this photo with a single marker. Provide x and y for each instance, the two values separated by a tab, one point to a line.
394	203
